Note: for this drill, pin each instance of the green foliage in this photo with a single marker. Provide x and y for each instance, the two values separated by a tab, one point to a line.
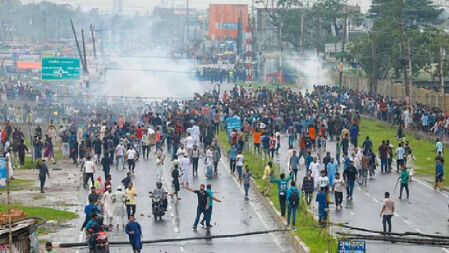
44	212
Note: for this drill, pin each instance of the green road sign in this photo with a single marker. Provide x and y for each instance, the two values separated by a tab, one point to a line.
60	68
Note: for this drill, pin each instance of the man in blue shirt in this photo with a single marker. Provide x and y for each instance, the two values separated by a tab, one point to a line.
439	173
293	197
354	134
321	198
208	213
282	189
309	160
332	167
294	164
232	153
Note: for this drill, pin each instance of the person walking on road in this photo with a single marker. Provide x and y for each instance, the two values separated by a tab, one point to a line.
350	176
247	175
293	197
203	203
282	190
43	173
239	160
106	163
323	206
131	158
130	200
308	187
337	188
404	177
294	164
185	168
119	155
89	170
108	210
266	177
134	232
195	156
208	213
118	199
439	173
387	212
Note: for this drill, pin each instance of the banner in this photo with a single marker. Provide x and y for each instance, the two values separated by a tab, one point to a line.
3	173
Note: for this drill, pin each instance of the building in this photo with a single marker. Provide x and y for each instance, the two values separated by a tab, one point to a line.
225	20
117	7
267	34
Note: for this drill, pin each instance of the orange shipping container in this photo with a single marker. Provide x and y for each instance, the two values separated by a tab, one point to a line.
224	20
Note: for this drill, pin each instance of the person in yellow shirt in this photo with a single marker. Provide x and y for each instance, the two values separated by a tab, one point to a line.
130	200
266	177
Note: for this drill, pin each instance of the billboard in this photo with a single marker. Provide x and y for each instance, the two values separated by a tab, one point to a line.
224	19
60	68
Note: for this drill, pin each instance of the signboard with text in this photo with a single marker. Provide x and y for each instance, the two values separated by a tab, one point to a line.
3	173
351	247
60	68
233	123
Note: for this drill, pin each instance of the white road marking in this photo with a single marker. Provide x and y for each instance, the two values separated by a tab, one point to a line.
181	248
445	250
375	200
367	194
429	187
257	213
396	214
406	221
417	230
352	213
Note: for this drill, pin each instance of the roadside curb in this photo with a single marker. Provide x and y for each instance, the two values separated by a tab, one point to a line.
295	242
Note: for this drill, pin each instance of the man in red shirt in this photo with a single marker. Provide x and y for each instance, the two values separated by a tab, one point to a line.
139	134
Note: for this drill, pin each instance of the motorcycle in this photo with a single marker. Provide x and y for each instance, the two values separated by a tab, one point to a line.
99	242
158	208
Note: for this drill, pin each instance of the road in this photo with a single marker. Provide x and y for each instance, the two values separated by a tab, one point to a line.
426	211
232	215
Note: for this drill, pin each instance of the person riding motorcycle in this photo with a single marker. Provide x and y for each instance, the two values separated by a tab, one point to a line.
161	193
92	228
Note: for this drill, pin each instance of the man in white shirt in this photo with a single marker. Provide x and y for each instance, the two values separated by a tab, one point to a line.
181	151
196	134
119	154
315	168
188	143
400	155
239	164
89	170
131	155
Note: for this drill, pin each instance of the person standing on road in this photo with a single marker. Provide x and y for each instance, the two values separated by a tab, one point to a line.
404	177
308	160
293	197
195	156
247	175
294	164
203	203
239	160
185	168
308	187
134	231
119	155
106	163
131	194
89	170
208	213
118	199
266	177
145	144
387	212
232	154
439	173
400	155
131	157
175	174
323	206
383	155
337	188
282	190
43	173
332	168
106	202
97	149
350	176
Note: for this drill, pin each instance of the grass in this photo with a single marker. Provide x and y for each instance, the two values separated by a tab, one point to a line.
18	184
423	150
44	212
29	164
307	228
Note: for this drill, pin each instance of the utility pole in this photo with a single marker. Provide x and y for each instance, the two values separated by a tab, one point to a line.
317	32
187	26
84	52
373	81
77	44
340	78
301	40
93	40
404	66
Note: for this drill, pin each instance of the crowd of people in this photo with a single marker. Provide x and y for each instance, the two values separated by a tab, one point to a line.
185	131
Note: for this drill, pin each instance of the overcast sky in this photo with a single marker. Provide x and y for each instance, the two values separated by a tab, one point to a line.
142	6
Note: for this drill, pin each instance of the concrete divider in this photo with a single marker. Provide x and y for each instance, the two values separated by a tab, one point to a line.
295	242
